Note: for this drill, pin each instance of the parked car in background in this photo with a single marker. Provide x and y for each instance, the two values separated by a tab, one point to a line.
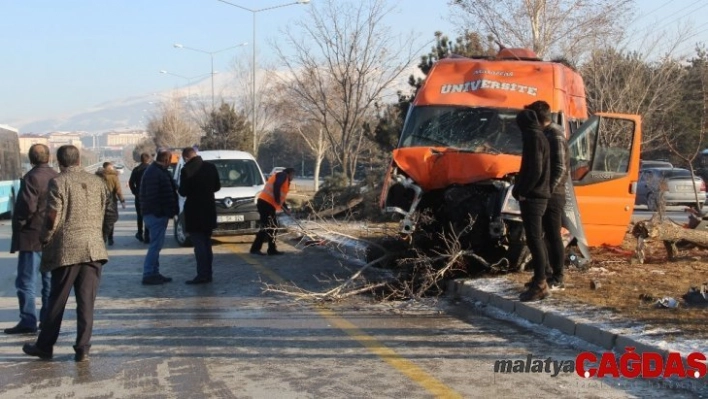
677	184
241	181
120	168
646	164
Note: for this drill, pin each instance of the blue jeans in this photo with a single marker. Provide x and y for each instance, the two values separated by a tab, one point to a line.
203	253
157	227
26	283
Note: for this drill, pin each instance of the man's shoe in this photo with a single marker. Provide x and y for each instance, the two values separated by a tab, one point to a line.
153	280
165	279
555	285
254	252
33	350
535	292
275	252
198	280
139	237
81	356
18	329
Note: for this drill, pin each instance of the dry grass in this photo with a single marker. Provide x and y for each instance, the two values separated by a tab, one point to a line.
631	290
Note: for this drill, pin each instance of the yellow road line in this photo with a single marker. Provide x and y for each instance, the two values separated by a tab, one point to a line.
406	367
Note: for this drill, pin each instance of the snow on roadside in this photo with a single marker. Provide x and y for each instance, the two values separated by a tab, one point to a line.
603	319
348	248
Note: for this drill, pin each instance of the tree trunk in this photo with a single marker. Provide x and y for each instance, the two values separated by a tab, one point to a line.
670	233
318	165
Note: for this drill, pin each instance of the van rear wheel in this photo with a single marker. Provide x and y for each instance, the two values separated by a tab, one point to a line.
181	236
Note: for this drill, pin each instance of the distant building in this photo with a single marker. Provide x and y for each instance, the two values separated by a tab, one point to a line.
122	139
93	141
58	139
28	140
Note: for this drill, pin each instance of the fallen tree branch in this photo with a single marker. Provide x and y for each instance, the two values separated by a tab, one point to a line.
669	232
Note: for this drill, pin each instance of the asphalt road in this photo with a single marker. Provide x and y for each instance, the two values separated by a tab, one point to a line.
229	339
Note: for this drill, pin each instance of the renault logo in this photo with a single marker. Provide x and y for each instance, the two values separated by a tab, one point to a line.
228	202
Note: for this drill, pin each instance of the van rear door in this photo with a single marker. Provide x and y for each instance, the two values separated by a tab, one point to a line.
604	166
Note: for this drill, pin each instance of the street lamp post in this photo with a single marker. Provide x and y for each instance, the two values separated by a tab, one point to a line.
211	55
253	89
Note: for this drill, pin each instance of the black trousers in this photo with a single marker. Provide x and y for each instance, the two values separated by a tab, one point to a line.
532	211
203	252
84	278
269	226
552	223
139	212
109	233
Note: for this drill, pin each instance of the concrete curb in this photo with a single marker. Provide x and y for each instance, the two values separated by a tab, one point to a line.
531	312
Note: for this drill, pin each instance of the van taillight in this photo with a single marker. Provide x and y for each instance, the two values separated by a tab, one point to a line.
703	185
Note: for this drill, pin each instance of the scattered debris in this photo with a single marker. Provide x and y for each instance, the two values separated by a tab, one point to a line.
667	302
647	298
696	296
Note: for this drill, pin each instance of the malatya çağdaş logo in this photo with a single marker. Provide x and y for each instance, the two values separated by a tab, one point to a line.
626	365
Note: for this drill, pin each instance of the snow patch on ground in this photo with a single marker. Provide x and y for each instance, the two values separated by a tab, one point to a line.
603	319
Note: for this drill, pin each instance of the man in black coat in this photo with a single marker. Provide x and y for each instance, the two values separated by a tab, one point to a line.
532	190
199	180
27	219
553	217
136	176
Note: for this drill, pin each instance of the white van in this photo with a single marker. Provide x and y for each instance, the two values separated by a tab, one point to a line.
241	182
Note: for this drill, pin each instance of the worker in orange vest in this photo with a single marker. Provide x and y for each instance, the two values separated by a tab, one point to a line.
271	200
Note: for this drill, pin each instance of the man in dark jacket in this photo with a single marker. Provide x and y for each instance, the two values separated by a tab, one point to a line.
198	182
158	199
79	213
134	184
552	218
27	220
531	189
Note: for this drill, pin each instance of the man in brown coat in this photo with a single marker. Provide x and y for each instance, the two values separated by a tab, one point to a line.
78	214
27	220
109	174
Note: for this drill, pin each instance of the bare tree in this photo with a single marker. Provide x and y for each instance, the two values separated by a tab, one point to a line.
295	116
567	27
689	155
339	63
318	145
623	81
171	126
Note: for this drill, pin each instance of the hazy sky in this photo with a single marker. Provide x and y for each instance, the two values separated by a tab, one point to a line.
64	56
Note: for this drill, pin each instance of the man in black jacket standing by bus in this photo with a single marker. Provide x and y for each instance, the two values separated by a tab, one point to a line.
134	184
531	189
552	218
198	182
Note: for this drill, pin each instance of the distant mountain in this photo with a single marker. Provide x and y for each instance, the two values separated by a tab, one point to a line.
134	112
